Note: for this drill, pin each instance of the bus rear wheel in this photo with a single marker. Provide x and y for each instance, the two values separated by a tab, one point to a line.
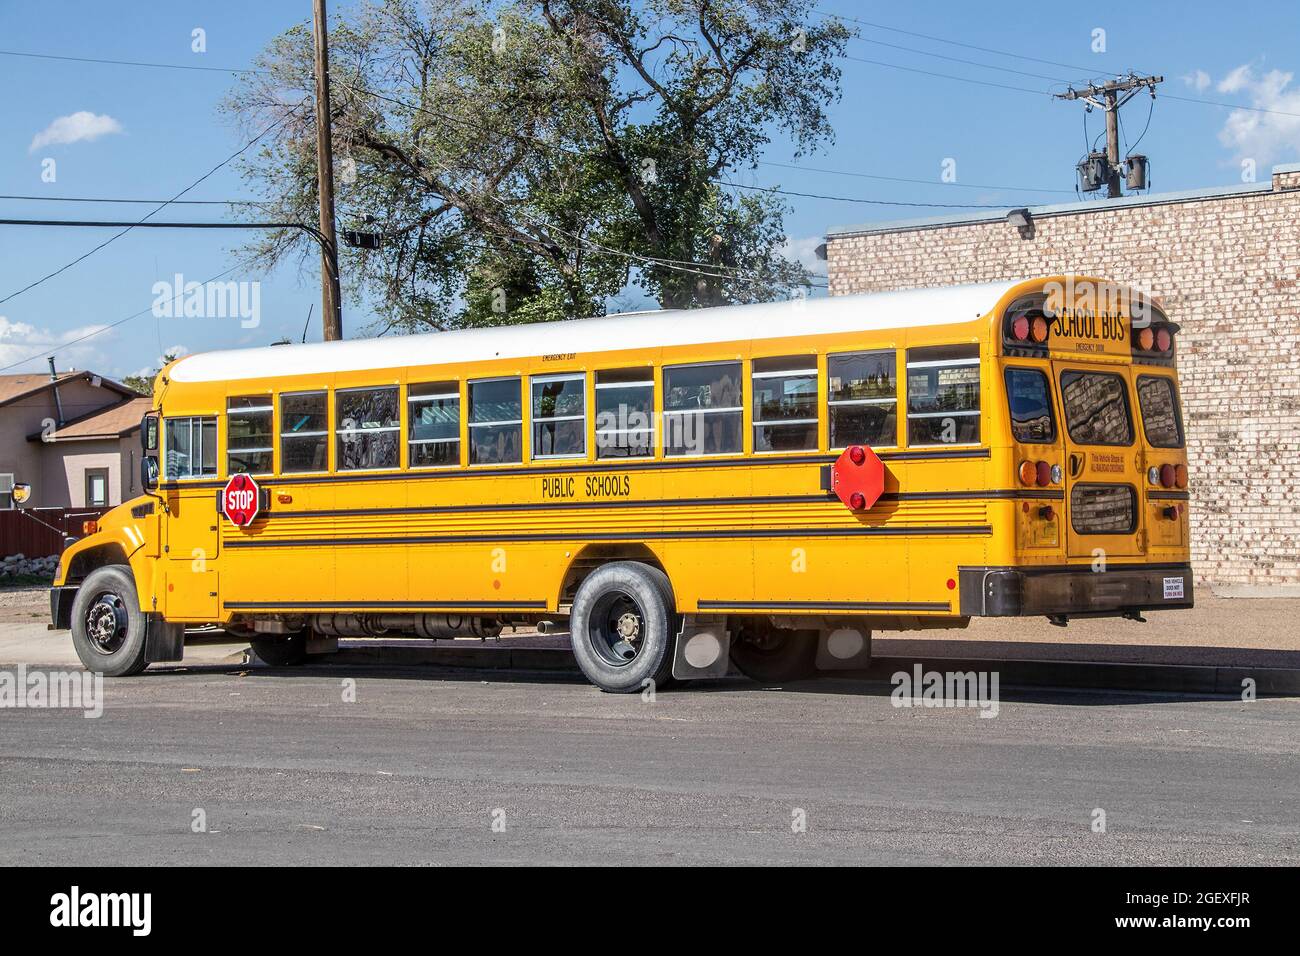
286	651
771	655
108	627
621	627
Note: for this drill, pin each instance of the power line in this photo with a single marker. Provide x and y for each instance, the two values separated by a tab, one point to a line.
150	214
937	39
134	315
870	202
900	179
155	66
145	202
946	76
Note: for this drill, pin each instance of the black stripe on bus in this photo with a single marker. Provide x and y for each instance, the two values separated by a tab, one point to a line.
633	536
474	471
822	606
1169	495
823	498
385	605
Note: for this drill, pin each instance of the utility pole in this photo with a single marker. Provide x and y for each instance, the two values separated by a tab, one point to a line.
331	306
1109	97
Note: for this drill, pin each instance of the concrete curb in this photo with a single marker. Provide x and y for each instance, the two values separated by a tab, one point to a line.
1075	675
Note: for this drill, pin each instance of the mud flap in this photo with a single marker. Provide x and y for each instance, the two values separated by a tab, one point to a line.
702	648
162	641
844	648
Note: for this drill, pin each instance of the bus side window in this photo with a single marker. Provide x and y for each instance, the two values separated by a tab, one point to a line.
559	415
625	413
190	447
304	432
249	434
785	403
433	437
943	395
702	409
367	426
863	398
496	422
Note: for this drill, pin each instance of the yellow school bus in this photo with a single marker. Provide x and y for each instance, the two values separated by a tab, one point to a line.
761	485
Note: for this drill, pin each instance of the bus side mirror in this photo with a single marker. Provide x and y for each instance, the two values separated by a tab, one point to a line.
149	433
22	493
149	472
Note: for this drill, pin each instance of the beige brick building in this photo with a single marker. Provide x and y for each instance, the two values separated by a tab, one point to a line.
1225	262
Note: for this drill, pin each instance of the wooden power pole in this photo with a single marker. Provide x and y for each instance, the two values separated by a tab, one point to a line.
1107	98
331	305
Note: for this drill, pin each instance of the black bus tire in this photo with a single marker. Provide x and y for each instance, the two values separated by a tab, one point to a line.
285	651
108	627
774	656
621	627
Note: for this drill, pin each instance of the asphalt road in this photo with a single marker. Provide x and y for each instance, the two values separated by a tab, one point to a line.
417	768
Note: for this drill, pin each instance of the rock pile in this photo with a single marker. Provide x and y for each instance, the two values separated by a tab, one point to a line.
19	565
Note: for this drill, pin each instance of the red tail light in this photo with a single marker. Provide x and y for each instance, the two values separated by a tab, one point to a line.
1020	328
857	501
857	455
1180	476
1167	476
1163	340
1043	474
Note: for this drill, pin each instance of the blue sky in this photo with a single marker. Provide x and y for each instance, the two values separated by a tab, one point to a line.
147	133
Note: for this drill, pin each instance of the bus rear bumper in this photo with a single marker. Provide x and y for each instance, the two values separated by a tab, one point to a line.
1074	591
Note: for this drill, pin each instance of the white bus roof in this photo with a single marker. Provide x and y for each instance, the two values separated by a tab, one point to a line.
799	317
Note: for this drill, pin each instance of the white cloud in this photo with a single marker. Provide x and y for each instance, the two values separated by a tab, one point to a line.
804	252
1198	80
18	340
1265	137
75	128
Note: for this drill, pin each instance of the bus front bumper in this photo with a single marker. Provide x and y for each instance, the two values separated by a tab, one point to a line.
1074	591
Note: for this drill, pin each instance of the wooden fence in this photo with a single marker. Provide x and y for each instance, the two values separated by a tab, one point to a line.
39	532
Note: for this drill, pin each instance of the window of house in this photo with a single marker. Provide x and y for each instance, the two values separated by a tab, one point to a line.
304	432
862	396
367	426
785	403
943	395
496	422
433	434
625	413
559	415
703	414
96	487
250	440
190	447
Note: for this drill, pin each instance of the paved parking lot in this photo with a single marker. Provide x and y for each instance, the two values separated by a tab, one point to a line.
351	763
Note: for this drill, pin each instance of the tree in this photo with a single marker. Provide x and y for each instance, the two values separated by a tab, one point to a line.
143	383
525	161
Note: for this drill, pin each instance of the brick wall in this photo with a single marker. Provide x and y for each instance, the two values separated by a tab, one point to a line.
1226	266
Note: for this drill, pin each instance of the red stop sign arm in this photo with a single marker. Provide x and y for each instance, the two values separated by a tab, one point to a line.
858	478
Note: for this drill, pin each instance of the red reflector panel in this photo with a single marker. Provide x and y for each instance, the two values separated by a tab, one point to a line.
858	477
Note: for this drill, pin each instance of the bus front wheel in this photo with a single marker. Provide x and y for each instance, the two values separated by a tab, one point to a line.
108	627
771	655
621	627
